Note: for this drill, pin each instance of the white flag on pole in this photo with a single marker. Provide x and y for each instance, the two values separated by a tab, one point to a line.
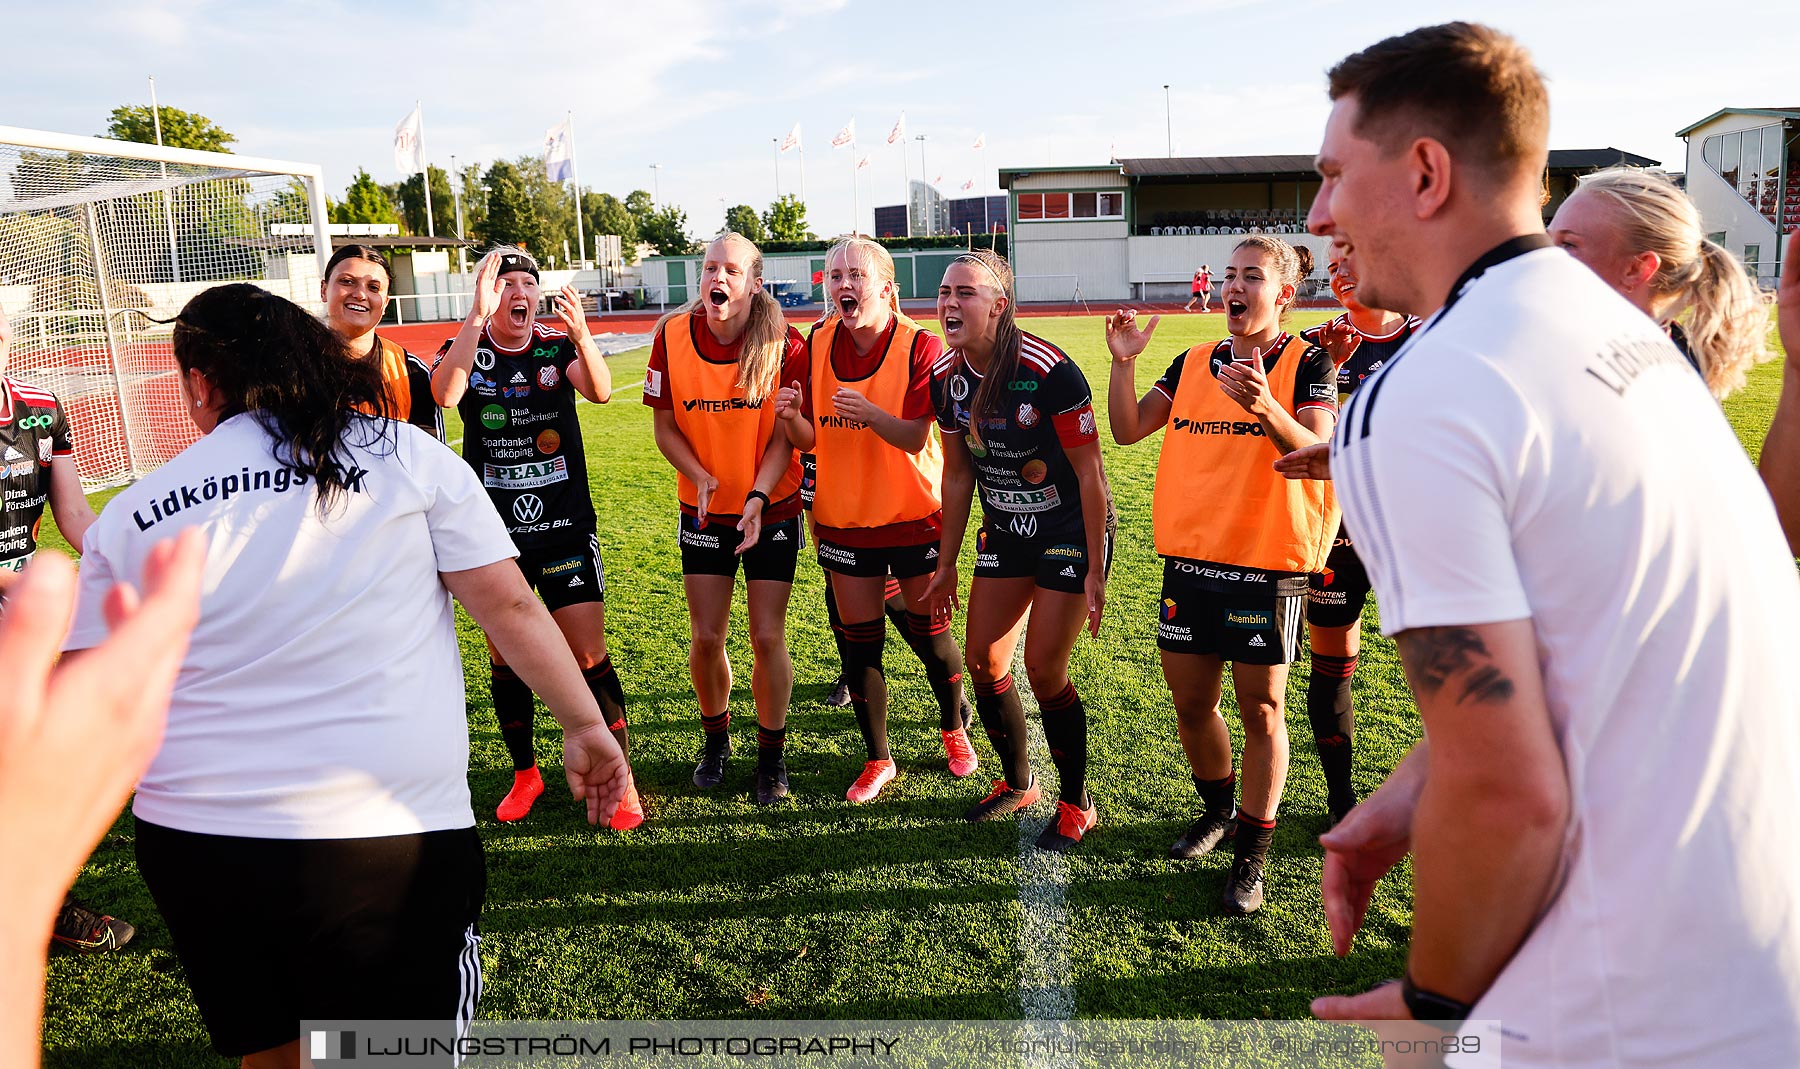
861	163
980	142
939	180
559	152
846	136
970	184
792	140
898	133
409	143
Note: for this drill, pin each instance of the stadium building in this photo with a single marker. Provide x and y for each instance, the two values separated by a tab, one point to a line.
1136	229
929	213
1742	176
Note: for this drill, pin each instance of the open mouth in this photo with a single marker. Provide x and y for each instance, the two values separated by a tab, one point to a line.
1236	308
358	309
848	305
718	296
953	323
519	313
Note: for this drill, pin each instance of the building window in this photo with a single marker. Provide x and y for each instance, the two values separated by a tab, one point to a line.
1056	207
1710	150
1728	167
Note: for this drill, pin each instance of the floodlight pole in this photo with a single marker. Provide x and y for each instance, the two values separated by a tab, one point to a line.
1168	121
462	262
923	171
168	203
425	175
575	177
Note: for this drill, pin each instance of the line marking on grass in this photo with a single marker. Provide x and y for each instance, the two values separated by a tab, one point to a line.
1046	988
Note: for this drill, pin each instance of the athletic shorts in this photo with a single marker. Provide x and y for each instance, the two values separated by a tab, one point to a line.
1245	628
712	550
904	562
1336	598
271	932
566	574
1000	554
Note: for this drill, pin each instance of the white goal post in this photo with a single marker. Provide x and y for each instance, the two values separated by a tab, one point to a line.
100	239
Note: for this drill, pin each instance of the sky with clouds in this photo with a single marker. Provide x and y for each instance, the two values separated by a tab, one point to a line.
704	88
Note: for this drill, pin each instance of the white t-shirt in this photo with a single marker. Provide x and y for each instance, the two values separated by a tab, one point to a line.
322	694
1541	450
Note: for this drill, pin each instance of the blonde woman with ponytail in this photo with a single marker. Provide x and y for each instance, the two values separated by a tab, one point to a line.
715	366
865	413
1642	236
1018	423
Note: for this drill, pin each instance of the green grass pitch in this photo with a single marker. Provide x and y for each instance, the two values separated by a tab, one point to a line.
822	909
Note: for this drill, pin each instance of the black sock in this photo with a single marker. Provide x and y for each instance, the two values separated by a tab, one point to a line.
937	650
1253	837
836	619
513	709
868	684
1065	730
717	729
604	682
1328	706
771	744
1217	795
893	602
1003	718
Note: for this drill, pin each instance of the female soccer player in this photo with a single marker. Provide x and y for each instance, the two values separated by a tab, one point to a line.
1201	290
1359	342
1018	422
865	413
1237	540
1642	236
316	757
514	381
715	365
355	291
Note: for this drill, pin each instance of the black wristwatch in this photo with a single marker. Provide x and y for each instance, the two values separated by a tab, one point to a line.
757	493
1432	1008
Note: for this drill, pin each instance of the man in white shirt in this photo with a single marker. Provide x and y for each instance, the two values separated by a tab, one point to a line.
1592	599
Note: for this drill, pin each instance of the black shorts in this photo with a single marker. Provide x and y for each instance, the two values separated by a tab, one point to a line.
1249	628
271	932
566	574
904	562
1336	598
1063	566
712	550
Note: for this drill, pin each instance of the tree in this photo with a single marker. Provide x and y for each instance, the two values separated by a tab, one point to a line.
364	202
637	202
512	217
443	204
786	219
474	198
604	213
743	219
666	229
180	129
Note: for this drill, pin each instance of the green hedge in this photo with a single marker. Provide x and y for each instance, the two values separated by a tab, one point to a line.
979	241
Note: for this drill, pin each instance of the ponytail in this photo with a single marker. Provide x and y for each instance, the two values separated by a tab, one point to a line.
1727	326
267	356
1004	366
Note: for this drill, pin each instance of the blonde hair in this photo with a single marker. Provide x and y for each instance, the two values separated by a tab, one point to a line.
1003	367
1293	263
764	343
1726	324
884	268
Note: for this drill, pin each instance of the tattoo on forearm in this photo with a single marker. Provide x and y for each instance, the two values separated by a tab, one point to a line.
1440	657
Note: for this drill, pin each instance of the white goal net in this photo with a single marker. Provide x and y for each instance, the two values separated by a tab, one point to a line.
100	239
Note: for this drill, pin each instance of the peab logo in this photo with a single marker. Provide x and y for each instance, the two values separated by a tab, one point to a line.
528	508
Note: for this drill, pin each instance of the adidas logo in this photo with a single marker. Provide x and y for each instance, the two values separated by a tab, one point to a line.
1068	571
1257	641
575	582
14	454
931	554
780	536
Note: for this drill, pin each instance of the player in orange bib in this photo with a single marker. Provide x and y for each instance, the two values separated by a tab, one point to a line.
865	413
355	292
1237	539
715	365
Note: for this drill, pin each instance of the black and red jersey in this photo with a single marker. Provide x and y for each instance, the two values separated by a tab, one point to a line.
523	438
34	431
1022	470
1371	355
1312	384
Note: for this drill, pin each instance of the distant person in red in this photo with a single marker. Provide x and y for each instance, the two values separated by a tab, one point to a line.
1202	289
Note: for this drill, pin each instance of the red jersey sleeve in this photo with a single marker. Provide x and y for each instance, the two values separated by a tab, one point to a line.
656	376
928	349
